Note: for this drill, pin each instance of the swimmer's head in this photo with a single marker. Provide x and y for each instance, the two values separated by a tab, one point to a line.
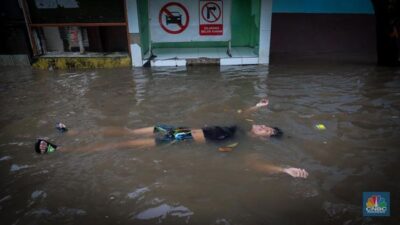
277	132
265	131
40	146
43	146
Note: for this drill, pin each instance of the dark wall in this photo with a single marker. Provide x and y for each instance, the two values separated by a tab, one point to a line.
296	33
89	11
107	39
13	33
114	39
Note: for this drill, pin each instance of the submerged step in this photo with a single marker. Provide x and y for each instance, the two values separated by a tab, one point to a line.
202	61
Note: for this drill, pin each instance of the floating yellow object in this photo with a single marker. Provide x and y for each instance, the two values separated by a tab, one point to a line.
228	148
232	145
250	120
225	149
320	126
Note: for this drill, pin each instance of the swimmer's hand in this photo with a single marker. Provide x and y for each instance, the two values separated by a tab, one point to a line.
61	127
263	103
296	172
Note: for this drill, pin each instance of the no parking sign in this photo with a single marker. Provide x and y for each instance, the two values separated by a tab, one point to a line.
173	18
187	21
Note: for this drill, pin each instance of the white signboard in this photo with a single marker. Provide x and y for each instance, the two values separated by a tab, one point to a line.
189	20
211	17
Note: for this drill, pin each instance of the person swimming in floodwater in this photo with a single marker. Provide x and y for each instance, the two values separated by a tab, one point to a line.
165	134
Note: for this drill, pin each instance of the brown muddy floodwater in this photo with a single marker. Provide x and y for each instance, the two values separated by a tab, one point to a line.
186	183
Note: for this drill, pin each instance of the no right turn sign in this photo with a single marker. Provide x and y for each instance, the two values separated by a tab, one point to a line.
211	17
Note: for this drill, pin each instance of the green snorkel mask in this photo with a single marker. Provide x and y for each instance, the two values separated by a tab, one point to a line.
50	149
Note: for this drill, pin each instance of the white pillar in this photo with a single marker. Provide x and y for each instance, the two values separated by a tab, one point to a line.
133	29
265	31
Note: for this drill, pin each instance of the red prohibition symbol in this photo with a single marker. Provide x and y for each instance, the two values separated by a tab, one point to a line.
211	12
173	17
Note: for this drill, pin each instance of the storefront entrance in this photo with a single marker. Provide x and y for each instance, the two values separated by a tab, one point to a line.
226	32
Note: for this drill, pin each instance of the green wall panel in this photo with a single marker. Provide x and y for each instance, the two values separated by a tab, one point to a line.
144	25
245	23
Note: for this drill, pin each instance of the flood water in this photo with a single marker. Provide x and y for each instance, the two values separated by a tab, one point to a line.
188	183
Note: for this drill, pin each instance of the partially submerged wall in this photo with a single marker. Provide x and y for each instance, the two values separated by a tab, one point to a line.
90	62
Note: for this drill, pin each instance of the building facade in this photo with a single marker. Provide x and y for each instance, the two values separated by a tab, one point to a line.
306	27
56	33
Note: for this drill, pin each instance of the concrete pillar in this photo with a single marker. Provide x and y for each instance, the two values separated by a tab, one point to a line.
134	33
265	31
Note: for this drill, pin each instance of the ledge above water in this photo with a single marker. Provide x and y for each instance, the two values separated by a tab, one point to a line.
89	60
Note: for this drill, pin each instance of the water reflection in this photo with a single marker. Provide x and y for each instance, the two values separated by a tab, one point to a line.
162	211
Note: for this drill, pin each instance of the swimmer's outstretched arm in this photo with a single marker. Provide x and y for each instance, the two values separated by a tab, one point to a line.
113	131
269	168
263	103
294	172
119	131
132	144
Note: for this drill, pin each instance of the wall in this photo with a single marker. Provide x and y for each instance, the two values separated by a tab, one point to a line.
14	47
323	6
73	11
114	39
306	27
245	23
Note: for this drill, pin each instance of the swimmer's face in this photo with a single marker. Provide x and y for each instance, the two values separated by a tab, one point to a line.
43	147
262	130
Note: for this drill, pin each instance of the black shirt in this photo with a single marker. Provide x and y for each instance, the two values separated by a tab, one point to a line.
217	133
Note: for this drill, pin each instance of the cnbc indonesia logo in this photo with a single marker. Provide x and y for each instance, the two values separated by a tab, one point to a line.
376	204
